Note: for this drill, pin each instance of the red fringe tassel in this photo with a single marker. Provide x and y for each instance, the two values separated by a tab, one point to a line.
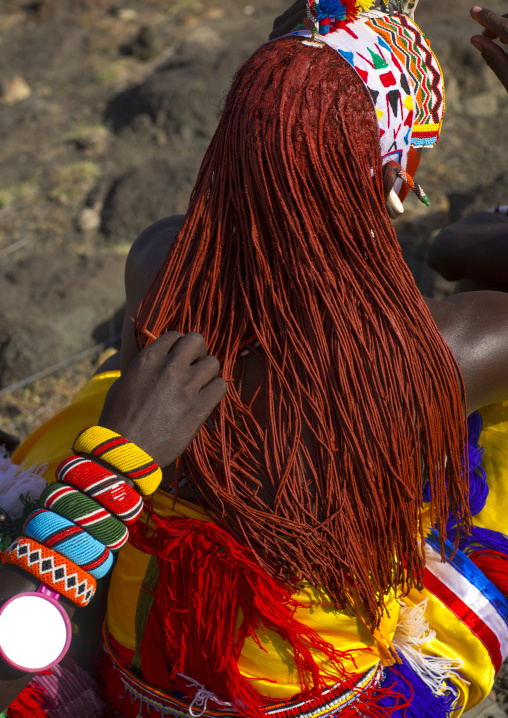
28	704
115	693
206	578
494	565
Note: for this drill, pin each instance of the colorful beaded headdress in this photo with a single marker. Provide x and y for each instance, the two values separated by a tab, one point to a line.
394	60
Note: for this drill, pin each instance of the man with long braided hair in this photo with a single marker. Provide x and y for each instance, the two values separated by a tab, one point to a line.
292	563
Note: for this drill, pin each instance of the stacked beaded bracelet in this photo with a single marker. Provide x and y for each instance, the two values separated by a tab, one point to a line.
87	513
84	515
78	520
69	539
35	630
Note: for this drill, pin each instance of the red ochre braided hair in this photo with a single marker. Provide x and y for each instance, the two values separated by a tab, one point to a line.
287	241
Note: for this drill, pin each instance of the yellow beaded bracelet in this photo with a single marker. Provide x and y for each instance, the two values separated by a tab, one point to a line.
122	455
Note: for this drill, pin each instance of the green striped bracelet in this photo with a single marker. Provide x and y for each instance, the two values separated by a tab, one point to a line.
87	513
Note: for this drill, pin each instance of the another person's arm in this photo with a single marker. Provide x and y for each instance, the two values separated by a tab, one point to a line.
496	28
475	327
159	403
476	249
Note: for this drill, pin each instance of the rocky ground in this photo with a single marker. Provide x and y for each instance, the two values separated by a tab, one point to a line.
106	107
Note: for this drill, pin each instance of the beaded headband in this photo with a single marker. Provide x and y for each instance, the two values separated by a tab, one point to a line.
394	60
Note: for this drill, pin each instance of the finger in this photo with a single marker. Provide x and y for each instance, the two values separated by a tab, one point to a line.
495	57
163	344
496	24
189	349
157	351
492	35
212	394
203	371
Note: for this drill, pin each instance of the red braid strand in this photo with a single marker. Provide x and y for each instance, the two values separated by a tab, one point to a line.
287	241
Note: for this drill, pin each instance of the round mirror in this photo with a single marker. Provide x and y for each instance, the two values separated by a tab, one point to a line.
35	632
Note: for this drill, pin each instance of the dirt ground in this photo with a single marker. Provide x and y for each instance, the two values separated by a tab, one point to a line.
106	107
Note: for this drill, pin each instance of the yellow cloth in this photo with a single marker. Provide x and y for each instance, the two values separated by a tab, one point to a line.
494	439
273	661
454	640
52	442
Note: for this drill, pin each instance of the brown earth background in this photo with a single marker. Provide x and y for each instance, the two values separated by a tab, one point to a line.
106	109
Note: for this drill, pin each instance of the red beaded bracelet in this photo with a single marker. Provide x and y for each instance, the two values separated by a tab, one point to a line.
106	488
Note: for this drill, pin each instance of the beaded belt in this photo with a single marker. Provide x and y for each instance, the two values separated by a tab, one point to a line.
329	703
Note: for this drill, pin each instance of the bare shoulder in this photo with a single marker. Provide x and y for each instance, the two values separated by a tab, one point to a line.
143	262
475	327
147	255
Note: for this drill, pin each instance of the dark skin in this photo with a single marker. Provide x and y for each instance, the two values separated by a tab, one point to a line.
169	389
178	370
474	326
476	248
144	261
495	28
9	441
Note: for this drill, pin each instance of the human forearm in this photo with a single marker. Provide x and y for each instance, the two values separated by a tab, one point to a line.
14	581
159	403
475	248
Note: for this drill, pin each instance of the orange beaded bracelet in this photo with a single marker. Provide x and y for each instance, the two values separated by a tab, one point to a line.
53	569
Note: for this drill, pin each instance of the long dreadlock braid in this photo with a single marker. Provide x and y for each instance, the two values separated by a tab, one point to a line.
287	241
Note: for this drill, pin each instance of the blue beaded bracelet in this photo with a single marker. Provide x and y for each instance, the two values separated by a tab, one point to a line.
69	539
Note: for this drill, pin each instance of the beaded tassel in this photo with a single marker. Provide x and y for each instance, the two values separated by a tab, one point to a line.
416	188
